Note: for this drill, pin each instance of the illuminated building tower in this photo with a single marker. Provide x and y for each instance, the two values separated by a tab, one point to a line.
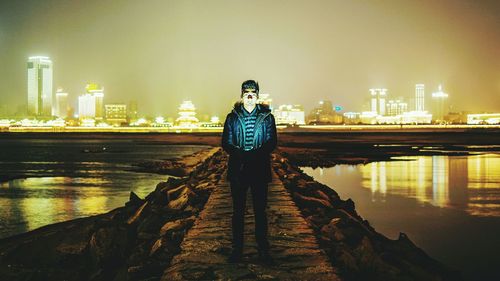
419	97
396	107
439	104
98	93
86	106
61	105
378	100
116	114
187	115
265	99
39	86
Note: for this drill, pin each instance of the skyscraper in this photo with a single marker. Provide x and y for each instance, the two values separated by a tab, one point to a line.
439	104
86	106
39	86
98	93
419	97
378	100
61	105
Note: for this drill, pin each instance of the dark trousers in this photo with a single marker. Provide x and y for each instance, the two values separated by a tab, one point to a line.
259	199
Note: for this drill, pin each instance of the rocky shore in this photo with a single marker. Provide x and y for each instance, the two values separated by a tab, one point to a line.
139	240
353	246
134	242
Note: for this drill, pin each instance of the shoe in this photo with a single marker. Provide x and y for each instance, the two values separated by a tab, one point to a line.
266	258
235	256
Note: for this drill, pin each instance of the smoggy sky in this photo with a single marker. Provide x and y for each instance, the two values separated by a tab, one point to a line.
161	52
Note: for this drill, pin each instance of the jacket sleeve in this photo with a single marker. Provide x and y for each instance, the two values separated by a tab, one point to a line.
227	137
268	146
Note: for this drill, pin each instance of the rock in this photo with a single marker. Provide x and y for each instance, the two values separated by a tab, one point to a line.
138	213
310	202
180	224
108	245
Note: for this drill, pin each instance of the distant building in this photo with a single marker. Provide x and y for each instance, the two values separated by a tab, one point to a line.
187	115
419	97
456	117
39	86
86	106
324	114
482	119
439	104
352	118
61	104
116	114
396	107
378	97
98	93
132	111
289	114
265	99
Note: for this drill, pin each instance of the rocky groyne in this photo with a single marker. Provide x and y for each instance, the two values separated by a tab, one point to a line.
353	246
142	239
134	242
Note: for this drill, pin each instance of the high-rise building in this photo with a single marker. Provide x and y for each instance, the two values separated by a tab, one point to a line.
86	106
39	86
132	114
419	97
378	100
116	114
265	99
98	92
61	105
396	107
439	104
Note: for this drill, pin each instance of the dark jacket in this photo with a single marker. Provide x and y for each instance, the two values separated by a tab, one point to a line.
255	164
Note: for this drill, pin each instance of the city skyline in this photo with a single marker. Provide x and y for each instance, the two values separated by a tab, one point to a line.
301	54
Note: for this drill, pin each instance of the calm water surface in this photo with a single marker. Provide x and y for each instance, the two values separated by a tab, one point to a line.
65	182
448	205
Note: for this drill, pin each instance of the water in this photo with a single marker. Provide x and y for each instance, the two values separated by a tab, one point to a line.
448	205
64	182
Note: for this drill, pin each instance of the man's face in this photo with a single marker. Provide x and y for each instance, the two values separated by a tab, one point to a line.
249	98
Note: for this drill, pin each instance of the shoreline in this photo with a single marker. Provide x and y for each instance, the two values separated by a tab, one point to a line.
140	239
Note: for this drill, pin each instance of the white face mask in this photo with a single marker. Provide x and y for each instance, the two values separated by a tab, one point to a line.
249	99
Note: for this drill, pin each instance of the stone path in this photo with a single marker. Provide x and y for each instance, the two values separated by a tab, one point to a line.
208	244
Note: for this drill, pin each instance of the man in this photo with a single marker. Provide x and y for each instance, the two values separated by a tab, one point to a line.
249	137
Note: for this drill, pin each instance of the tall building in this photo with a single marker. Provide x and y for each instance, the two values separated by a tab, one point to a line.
419	97
324	114
86	106
61	105
116	114
378	100
439	104
396	107
265	99
98	92
39	86
132	114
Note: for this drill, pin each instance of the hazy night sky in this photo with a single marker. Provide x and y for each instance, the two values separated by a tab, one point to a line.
161	52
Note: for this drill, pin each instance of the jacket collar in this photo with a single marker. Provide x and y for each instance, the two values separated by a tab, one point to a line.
260	109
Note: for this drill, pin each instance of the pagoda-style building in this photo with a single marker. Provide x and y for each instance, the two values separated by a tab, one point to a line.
187	115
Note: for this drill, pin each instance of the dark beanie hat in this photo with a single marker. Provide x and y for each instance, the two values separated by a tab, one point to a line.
250	84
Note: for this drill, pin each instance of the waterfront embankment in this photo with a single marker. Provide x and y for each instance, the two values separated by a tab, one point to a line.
184	221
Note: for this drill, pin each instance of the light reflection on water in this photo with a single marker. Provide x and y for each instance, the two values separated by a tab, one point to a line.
34	202
448	205
471	183
62	182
